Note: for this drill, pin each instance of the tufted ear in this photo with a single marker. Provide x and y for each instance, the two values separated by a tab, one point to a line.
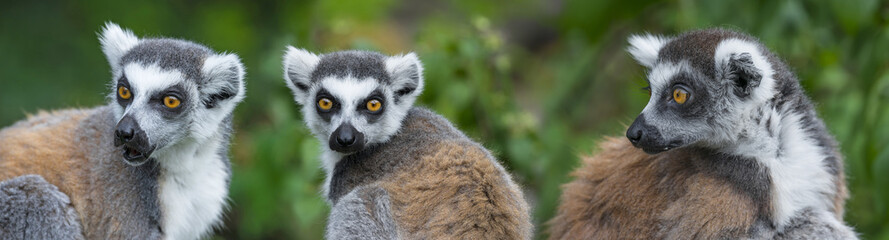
406	73
116	42
645	48
223	81
742	64
298	67
743	73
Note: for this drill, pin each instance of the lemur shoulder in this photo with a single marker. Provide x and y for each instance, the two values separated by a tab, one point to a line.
729	146
394	170
152	164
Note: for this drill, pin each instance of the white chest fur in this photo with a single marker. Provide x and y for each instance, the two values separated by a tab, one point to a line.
193	190
799	176
329	158
795	166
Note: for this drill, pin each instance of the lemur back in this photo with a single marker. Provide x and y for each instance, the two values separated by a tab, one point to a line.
81	141
440	183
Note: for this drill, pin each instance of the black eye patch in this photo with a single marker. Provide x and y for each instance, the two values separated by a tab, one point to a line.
695	106
326	114
373	116
123	82
157	101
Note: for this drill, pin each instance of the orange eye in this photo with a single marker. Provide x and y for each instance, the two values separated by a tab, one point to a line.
325	104
171	101
374	105
680	95
124	92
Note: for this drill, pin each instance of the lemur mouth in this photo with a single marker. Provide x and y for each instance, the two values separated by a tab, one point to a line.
659	149
135	157
655	150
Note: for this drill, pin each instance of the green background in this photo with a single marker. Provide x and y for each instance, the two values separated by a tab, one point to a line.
539	82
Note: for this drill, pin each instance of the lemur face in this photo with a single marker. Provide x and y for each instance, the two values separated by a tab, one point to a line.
702	84
353	99
167	92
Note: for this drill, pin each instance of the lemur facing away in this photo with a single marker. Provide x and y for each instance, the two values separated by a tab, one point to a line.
734	150
393	170
151	164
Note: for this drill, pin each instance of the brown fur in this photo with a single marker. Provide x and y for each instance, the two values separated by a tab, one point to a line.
454	193
623	193
45	144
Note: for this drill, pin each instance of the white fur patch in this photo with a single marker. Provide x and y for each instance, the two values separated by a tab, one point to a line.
724	51
224	70
298	67
143	81
116	42
329	158
193	188
401	67
658	78
645	48
799	177
349	90
146	79
795	163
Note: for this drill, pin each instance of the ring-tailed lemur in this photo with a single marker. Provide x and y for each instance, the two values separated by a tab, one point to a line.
735	150
393	170
151	164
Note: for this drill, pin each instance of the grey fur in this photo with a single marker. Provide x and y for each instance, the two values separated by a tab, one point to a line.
31	208
698	48
811	224
744	174
169	54
362	214
358	64
136	209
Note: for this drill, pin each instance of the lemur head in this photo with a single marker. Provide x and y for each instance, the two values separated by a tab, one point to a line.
702	85
353	99
167	91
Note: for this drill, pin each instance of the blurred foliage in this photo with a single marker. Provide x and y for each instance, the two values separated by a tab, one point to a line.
536	81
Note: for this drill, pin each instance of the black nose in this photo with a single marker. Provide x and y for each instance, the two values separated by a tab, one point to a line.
636	131
126	130
634	135
346	139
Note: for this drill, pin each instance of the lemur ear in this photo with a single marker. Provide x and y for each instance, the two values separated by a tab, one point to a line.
645	48
298	67
223	80
116	42
406	73
741	64
743	73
